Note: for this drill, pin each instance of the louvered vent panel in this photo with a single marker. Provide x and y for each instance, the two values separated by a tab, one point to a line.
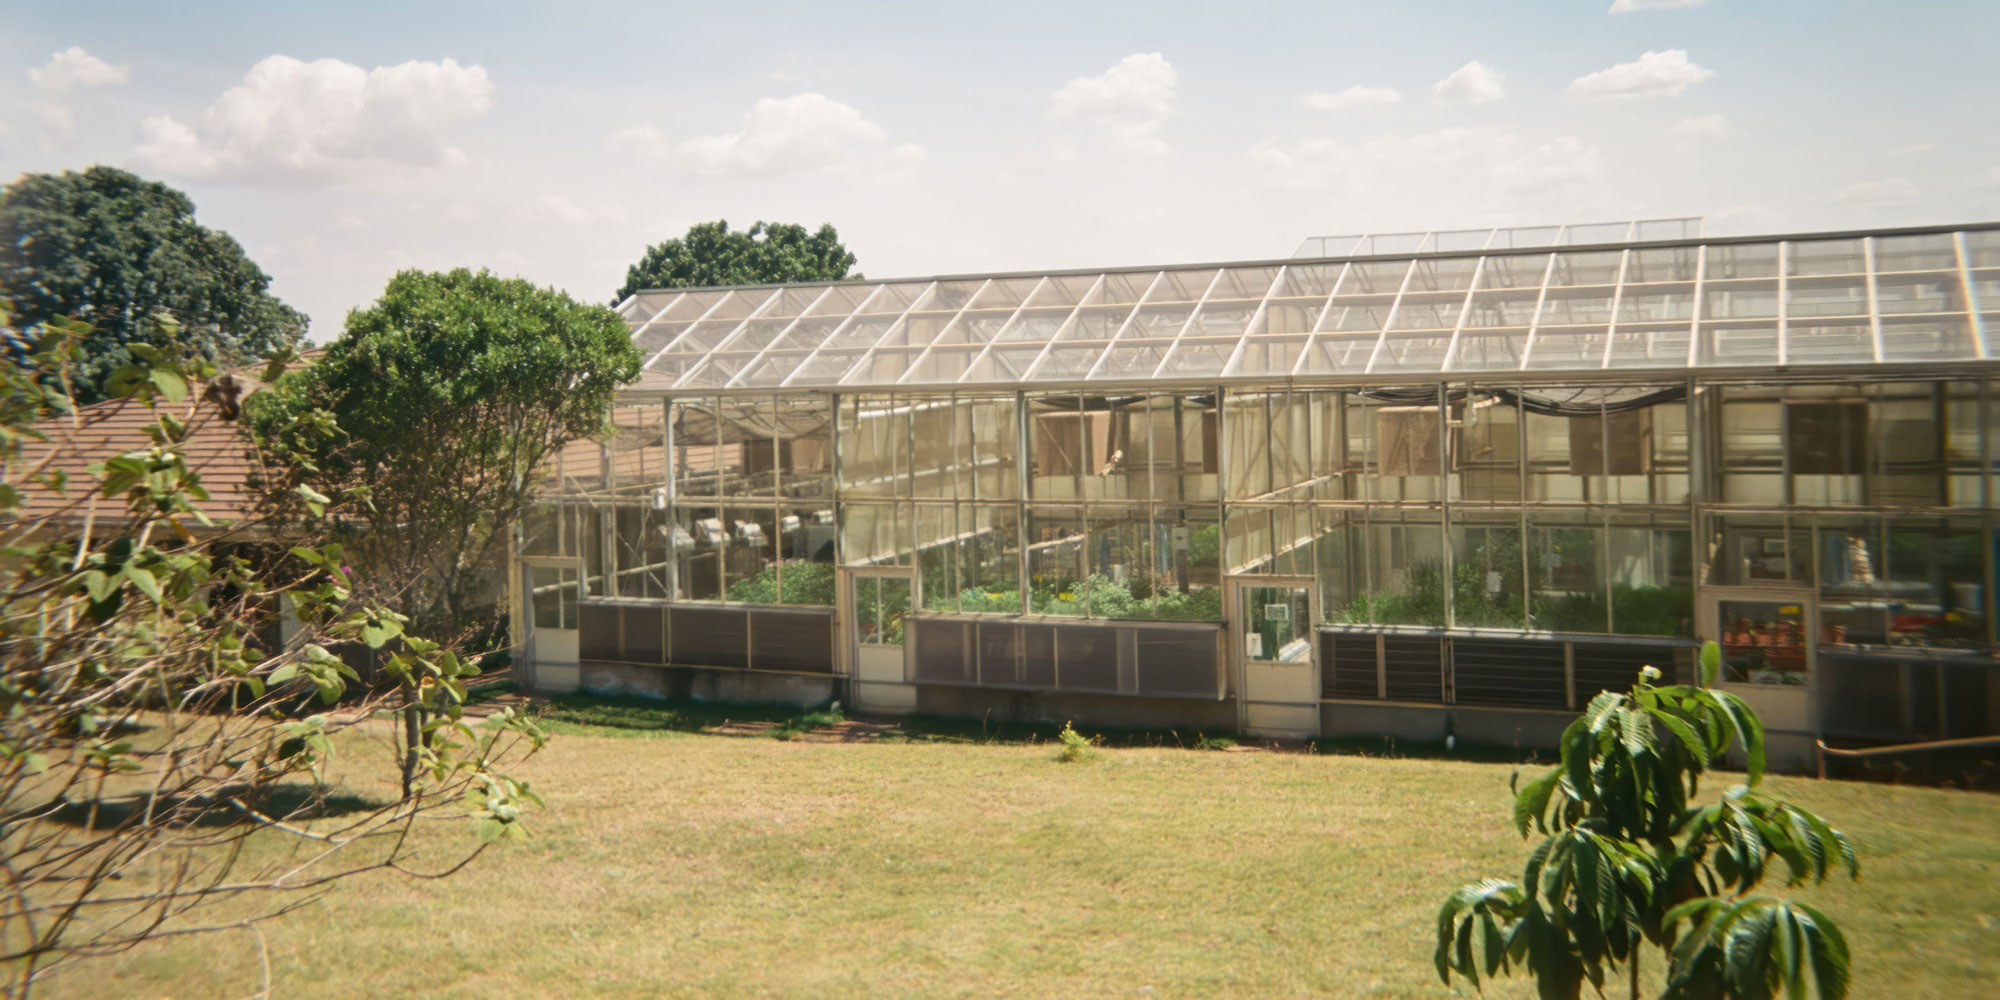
1415	668
1508	673
1347	665
1612	666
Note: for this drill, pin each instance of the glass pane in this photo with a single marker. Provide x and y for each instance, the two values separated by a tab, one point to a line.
1652	577
1442	274
640	549
1056	574
554	592
880	606
1596	268
1763	642
547	530
1123	579
806	541
1404	567
874	454
989	561
1828	257
937	557
671	321
875	534
1934	251
1749	260
1920	292
750	567
1296	301
1661	264
1941	338
1936	572
1566	578
1279	624
1487	589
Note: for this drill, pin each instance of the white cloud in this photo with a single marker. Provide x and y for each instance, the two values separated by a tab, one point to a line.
1477	169
305	120
1130	101
66	72
1137	86
73	69
1699	127
1353	97
561	210
1472	83
1654	74
1887	193
904	161
800	134
1633	6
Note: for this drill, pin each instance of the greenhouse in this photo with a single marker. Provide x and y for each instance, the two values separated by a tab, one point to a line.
1410	486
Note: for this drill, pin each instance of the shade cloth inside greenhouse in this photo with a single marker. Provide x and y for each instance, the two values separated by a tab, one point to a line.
1923	296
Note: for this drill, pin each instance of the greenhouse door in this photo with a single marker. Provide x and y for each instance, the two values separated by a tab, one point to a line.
1768	635
1276	664
548	596
875	603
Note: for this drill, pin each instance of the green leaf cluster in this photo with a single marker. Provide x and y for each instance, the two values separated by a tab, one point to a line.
1629	857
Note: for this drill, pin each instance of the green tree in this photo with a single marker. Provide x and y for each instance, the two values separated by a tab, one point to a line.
447	398
114	249
712	254
1630	861
156	757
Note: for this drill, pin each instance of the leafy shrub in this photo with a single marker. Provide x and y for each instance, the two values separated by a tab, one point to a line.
805	583
1075	745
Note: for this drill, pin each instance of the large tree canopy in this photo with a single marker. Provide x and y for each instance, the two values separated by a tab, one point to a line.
448	394
111	248
713	254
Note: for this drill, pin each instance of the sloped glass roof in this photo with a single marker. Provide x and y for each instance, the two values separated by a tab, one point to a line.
1549	307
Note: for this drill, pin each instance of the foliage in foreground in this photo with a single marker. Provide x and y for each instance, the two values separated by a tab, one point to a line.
153	761
1629	862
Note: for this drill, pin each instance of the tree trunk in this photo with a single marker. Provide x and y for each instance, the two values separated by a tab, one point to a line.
413	726
1634	970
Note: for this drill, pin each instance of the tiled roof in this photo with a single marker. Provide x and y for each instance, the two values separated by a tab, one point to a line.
216	448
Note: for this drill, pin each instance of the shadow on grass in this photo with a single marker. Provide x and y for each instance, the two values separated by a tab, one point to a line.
631	715
291	801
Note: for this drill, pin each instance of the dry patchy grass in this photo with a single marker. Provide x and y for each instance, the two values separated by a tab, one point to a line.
677	864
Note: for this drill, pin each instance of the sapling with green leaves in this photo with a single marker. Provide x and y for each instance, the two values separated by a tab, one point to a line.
1631	862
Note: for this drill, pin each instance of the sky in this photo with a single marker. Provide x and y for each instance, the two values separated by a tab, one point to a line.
342	143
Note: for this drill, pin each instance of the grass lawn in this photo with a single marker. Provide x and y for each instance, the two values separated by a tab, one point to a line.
678	862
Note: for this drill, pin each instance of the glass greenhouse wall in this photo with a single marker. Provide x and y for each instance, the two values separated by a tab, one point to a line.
1498	476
